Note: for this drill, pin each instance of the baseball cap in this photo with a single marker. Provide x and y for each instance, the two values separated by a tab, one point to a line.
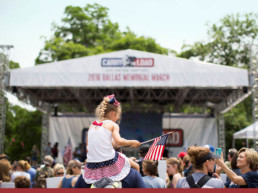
48	160
210	147
182	154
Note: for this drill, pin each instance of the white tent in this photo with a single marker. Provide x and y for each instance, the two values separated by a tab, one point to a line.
248	132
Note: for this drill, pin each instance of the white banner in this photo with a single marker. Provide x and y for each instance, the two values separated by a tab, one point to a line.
196	130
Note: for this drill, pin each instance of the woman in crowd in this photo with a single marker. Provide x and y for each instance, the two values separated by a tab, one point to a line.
203	161
233	167
150	170
247	162
188	166
59	170
4	170
34	155
72	174
22	167
174	169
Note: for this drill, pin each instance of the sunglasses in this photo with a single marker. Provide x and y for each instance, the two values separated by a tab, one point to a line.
60	173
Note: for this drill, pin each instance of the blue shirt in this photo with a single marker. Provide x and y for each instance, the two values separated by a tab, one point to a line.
132	180
251	179
32	173
154	182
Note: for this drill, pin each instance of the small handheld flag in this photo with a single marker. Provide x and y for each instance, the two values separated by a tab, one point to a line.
157	148
68	153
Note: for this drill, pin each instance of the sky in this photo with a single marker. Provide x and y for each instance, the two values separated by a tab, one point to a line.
26	24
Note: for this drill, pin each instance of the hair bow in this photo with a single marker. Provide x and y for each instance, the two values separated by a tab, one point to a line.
112	100
97	124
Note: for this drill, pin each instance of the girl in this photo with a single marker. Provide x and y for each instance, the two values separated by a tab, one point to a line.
22	168
72	174
103	135
174	169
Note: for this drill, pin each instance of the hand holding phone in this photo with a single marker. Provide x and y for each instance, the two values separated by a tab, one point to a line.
218	151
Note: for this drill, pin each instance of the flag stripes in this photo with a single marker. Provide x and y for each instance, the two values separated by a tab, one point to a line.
157	148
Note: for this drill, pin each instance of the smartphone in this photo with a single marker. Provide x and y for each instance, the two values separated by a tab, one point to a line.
218	151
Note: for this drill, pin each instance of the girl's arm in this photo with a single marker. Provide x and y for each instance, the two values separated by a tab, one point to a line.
175	179
134	165
121	141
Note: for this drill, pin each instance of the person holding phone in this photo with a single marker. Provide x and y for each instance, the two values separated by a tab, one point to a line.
203	161
247	161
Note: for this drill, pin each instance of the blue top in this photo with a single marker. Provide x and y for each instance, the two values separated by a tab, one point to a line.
132	180
32	173
251	179
67	183
154	182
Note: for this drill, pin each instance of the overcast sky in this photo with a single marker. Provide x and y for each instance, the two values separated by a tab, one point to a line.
170	22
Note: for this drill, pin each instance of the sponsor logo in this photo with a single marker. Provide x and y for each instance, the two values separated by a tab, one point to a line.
176	138
128	61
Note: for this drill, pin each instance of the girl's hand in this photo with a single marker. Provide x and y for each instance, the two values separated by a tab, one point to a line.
135	143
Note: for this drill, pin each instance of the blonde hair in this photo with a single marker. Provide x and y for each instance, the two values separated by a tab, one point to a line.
5	166
58	167
175	161
104	108
251	157
72	164
196	153
24	165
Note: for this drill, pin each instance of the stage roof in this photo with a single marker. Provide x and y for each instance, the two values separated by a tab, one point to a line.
133	76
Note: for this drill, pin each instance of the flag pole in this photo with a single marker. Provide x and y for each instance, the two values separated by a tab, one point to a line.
155	138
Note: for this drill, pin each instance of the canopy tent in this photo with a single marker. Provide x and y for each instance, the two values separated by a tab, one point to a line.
132	75
250	132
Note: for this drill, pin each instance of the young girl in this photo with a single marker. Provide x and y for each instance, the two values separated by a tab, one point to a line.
102	159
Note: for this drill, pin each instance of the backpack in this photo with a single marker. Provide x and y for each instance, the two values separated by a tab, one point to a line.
200	183
106	183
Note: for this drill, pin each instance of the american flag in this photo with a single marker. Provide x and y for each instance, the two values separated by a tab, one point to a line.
157	148
68	153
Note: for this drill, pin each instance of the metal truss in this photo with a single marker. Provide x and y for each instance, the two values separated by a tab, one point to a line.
221	99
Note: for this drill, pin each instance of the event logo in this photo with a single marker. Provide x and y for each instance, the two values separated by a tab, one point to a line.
128	61
176	138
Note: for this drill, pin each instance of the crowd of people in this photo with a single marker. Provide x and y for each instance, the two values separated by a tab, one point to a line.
205	170
107	166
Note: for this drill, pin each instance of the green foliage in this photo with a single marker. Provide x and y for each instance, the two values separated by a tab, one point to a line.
228	43
22	127
13	65
88	31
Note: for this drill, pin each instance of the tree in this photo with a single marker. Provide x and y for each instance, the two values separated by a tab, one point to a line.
229	44
23	129
13	65
229	41
88	31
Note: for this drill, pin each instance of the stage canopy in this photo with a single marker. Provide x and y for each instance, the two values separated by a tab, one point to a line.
248	132
134	76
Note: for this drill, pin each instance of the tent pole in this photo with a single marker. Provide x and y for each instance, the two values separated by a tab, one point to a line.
233	143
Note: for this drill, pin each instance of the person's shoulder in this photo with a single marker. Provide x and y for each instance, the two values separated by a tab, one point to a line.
216	183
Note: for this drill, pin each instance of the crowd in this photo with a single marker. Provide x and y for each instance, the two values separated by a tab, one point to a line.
199	166
107	166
